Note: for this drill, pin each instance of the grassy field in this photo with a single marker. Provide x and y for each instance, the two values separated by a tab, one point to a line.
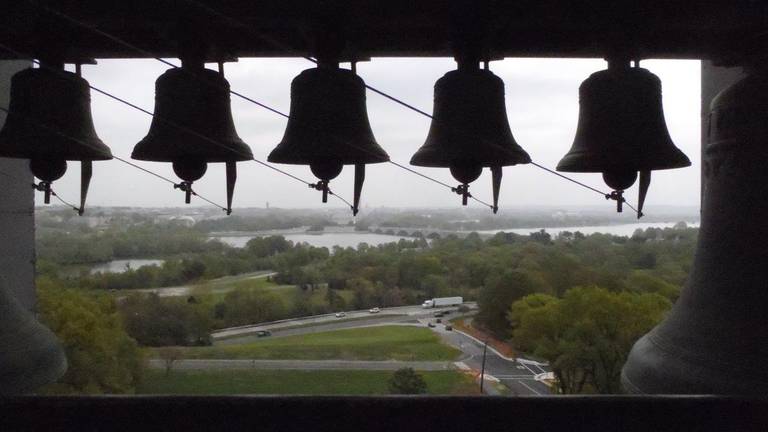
346	382
370	343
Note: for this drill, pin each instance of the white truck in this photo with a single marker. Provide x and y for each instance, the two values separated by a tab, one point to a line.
442	301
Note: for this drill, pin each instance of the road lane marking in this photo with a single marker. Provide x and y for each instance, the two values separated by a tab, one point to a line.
529	387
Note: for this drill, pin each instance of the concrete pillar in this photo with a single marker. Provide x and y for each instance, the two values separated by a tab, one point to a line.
17	220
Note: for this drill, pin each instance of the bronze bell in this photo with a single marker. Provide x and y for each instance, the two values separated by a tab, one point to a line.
713	341
621	130
328	127
470	129
30	354
49	122
193	126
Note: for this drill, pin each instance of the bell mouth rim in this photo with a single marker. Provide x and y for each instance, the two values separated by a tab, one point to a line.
678	160
316	161
192	159
419	160
608	168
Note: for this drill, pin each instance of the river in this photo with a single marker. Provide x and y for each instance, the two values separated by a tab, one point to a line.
120	266
617	230
329	240
353	239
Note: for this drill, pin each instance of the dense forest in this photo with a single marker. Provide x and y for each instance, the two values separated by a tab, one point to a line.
573	300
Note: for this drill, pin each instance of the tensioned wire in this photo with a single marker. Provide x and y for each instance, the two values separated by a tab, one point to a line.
168	122
252	100
398	101
262	105
86	144
37	186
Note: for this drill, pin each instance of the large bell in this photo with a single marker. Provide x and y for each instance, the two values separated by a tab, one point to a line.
49	122
193	126
30	354
328	127
621	130
714	339
470	129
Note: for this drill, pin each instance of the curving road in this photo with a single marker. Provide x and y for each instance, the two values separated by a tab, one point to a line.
518	375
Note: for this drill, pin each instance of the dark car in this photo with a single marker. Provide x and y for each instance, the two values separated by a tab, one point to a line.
263	333
438	320
439	313
431	324
448	328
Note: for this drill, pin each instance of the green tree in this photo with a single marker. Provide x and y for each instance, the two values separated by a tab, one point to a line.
407	381
497	295
243	306
102	357
587	335
160	321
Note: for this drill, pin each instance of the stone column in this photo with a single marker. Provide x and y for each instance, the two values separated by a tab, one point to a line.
17	220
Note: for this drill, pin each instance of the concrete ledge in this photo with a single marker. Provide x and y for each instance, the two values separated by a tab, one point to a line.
395	413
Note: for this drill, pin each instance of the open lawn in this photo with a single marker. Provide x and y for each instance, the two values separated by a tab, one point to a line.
347	382
368	343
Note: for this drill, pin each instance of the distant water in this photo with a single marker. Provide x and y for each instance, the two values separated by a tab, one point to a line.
329	240
353	239
617	230
120	266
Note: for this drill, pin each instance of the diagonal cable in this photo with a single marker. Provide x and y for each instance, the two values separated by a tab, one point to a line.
85	144
283	46
249	99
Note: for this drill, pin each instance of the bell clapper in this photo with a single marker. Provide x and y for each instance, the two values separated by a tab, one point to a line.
47	171
463	190
617	195
189	171
186	187
44	187
325	171
321	185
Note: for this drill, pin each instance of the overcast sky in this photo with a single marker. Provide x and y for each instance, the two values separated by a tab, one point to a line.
542	106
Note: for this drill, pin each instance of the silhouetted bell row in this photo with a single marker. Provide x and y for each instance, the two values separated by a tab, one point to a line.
621	129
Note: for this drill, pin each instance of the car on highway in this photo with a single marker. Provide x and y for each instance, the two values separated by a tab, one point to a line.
340	314
431	324
438	320
439	313
448	327
374	310
263	333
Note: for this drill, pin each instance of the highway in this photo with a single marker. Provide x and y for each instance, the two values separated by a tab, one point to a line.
518	375
389	365
318	323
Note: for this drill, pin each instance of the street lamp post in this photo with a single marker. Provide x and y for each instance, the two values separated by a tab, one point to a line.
482	369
